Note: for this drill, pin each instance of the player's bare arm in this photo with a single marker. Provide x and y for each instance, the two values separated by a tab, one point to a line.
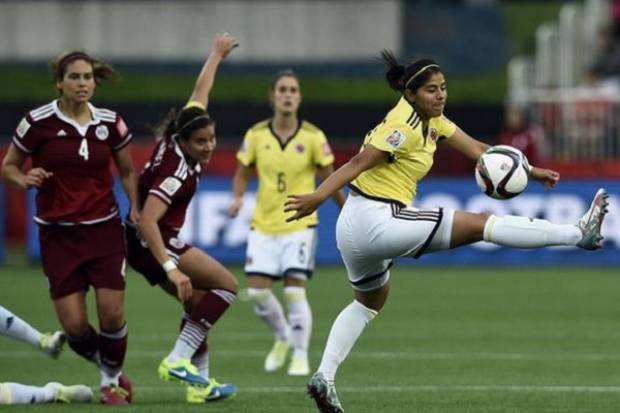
466	144
240	185
221	47
323	173
306	204
152	212
129	180
12	170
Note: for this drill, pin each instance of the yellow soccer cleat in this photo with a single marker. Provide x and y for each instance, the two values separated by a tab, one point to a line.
277	356
181	370
212	393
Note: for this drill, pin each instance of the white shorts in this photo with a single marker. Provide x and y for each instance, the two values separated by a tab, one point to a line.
281	255
371	233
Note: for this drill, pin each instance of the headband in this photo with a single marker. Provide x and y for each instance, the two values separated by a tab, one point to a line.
419	72
206	117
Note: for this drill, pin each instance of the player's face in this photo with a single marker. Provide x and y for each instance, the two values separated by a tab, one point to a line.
430	98
78	83
286	96
200	145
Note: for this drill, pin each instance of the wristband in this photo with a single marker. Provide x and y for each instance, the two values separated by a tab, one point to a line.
169	266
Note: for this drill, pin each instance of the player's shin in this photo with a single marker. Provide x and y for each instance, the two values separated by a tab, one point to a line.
345	331
300	321
87	345
269	309
112	349
522	232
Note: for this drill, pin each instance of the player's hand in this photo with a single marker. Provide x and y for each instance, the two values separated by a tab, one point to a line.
134	216
303	205
35	177
235	207
183	284
546	177
223	44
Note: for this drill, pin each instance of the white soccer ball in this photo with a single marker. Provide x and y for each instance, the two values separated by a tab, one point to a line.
502	172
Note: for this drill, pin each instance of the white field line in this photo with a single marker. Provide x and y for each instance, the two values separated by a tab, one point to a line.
376	355
413	388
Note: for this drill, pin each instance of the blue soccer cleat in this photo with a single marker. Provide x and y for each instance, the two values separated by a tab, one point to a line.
212	393
181	370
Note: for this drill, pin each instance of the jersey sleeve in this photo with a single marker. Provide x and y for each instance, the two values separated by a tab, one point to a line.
246	153
121	135
445	127
168	177
322	152
25	136
389	136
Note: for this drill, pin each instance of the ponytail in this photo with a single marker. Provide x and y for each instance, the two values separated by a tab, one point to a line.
395	72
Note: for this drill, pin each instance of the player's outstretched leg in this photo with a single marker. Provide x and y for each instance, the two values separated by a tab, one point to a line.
590	223
52	343
324	394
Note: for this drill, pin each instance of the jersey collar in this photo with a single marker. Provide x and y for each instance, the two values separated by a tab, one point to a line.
82	129
276	136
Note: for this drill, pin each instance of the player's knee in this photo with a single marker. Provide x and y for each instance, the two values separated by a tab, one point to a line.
295	294
259	295
111	318
75	328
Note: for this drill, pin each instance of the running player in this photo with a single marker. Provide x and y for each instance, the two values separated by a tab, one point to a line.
288	153
378	222
71	143
166	186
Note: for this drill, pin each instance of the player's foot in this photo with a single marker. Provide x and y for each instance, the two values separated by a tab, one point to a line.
324	394
71	394
52	343
114	395
181	370
277	356
590	223
299	366
212	393
125	383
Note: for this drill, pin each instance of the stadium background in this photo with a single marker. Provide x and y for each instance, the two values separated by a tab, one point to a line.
482	341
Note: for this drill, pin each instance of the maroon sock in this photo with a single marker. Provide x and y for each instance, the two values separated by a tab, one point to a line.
112	349
211	307
86	346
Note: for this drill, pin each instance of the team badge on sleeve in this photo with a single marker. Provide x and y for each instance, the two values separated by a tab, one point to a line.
170	185
22	128
396	139
102	132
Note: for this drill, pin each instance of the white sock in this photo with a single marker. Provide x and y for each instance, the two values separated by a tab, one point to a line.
15	393
268	308
522	232
201	361
13	326
191	337
345	331
299	319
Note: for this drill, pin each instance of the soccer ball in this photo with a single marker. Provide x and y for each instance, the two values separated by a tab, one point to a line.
502	172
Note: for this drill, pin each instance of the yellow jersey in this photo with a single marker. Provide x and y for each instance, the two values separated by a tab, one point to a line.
411	152
283	169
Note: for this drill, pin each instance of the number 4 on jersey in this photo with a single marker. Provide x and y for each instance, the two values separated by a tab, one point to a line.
83	151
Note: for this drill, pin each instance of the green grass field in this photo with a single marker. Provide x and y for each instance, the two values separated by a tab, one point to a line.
450	340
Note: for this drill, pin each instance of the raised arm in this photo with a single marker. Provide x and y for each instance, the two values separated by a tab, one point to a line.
221	47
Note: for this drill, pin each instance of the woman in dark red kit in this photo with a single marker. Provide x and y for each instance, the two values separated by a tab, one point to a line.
71	143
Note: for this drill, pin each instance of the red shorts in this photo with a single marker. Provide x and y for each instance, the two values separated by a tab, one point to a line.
140	258
78	256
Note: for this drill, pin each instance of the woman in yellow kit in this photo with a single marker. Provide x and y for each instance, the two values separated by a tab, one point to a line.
377	222
288	154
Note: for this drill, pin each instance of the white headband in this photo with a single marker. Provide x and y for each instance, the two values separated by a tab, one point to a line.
420	71
192	121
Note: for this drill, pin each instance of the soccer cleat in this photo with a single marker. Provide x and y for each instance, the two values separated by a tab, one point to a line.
114	395
299	366
590	223
52	343
125	383
212	393
181	370
277	356
71	394
324	394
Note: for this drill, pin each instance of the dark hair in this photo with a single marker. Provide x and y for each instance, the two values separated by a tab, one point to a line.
412	76
183	123
101	71
279	75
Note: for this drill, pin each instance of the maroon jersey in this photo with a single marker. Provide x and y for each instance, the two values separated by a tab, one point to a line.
169	177
80	191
